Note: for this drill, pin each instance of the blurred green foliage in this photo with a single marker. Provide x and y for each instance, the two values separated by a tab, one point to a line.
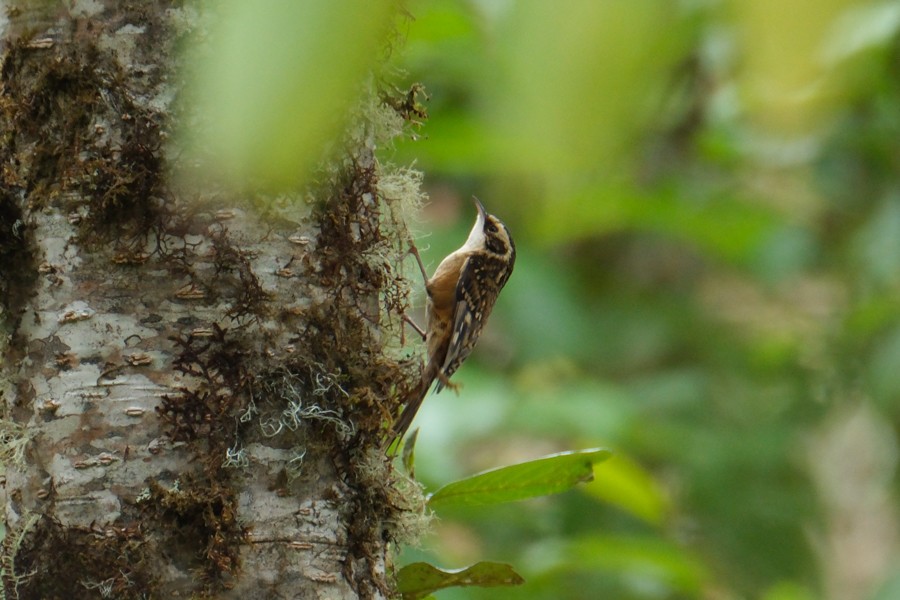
705	198
273	83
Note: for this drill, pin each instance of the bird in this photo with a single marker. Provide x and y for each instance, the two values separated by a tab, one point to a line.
460	297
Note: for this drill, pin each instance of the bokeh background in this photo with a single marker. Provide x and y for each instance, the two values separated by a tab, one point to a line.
705	197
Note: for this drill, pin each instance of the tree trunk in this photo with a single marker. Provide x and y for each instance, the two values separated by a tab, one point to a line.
195	385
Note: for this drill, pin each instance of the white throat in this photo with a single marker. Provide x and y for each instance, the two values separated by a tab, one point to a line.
476	236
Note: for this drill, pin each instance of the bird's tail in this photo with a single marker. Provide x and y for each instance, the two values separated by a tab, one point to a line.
411	405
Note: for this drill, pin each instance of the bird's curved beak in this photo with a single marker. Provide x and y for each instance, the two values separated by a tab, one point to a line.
479	206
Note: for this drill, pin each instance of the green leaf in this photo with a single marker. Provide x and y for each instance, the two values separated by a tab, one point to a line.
418	580
548	475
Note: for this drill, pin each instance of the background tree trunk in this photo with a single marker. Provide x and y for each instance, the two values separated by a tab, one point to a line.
195	385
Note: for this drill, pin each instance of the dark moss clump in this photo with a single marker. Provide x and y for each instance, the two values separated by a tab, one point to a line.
206	537
234	279
74	96
18	271
203	414
204	505
108	562
122	187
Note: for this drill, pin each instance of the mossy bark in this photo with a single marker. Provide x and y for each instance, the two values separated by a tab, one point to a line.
195	385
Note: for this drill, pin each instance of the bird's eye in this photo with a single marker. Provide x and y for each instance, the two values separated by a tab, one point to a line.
491	227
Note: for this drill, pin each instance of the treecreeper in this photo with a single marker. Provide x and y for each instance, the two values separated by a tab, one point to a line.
460	297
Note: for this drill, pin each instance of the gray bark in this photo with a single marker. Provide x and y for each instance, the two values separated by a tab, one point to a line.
195	385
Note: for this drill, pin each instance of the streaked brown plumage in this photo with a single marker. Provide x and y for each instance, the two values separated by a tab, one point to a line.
461	295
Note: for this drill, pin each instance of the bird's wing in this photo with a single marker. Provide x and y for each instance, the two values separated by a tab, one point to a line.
472	310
